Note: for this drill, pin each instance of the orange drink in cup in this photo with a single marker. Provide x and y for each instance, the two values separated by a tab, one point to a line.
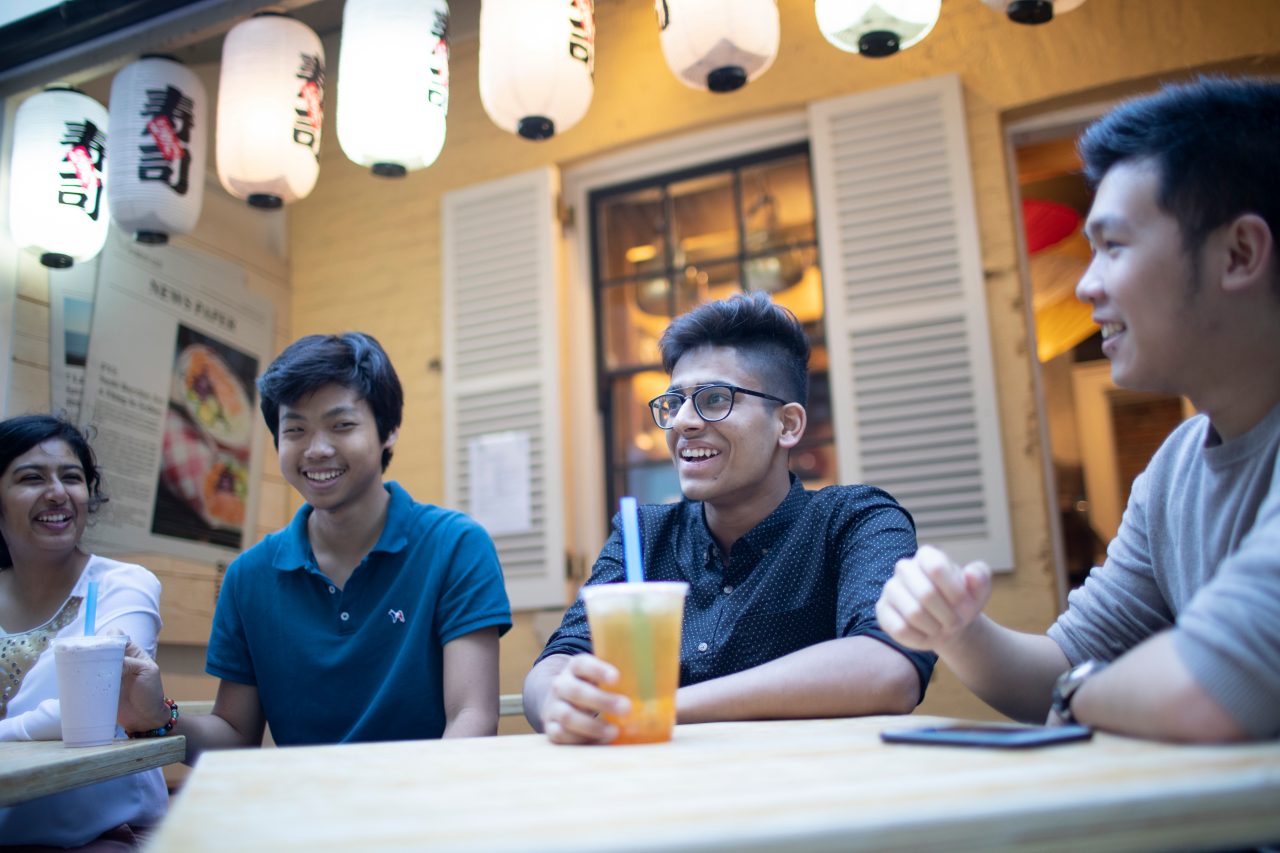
636	627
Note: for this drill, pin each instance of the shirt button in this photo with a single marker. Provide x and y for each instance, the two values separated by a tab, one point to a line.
702	647
728	588
344	616
332	590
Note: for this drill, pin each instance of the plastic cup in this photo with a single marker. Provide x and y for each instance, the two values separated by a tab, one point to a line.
636	627
89	687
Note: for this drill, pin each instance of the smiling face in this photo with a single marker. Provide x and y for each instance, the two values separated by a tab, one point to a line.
44	502
733	461
1143	286
329	448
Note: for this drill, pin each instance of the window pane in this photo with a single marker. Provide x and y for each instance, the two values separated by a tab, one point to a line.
705	223
792	278
636	438
777	204
634	316
699	284
630	231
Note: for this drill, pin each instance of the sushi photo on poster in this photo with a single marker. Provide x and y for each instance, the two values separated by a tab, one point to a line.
203	489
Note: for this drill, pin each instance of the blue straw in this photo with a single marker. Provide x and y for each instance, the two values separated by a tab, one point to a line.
90	608
631	540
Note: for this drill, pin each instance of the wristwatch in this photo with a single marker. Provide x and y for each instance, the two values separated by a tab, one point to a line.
1065	688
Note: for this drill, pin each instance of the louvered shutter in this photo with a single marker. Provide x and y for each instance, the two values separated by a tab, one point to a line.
501	374
913	389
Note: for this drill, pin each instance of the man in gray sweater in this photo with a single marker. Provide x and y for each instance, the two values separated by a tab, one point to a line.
1177	635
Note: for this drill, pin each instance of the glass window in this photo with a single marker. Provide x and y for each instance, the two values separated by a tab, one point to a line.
668	244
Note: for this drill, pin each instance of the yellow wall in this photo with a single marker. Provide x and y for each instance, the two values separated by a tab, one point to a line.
366	252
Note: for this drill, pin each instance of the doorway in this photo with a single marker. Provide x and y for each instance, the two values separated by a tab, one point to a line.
1098	437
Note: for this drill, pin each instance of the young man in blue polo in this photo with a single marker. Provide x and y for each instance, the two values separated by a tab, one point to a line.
371	616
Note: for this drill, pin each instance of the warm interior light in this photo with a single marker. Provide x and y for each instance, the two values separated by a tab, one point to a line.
640	254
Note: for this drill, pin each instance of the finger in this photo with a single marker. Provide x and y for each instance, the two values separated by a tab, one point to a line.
571	725
977	582
591	668
586	696
946	577
896	627
899	596
919	586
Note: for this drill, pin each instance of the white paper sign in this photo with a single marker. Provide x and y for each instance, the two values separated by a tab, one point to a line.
70	316
176	343
500	482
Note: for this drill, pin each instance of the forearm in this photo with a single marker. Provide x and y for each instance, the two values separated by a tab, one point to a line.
1150	693
1011	671
472	722
536	686
853	676
210	731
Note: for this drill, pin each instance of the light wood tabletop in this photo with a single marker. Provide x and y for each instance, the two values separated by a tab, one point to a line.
36	768
796	785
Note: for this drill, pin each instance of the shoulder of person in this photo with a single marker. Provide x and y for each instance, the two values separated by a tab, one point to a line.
854	496
111	572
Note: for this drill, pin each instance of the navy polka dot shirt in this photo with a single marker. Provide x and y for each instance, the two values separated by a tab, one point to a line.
811	571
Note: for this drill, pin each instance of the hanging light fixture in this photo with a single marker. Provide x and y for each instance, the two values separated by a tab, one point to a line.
718	45
393	83
1033	11
156	169
876	28
57	182
270	110
537	61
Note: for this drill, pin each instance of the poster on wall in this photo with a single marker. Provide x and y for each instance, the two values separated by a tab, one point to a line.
176	342
70	315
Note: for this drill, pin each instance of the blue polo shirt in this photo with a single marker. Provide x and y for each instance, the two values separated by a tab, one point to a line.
364	662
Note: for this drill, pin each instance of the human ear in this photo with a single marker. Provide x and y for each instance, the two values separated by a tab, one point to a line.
793	419
391	439
1250	253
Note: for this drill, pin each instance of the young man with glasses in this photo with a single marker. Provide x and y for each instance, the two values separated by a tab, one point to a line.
779	620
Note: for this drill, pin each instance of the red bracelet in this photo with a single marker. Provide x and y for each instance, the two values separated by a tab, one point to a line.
166	728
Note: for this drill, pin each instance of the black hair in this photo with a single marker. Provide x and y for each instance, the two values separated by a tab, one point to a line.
21	433
1213	144
768	336
353	360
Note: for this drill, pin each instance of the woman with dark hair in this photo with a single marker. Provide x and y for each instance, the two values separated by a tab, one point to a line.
49	485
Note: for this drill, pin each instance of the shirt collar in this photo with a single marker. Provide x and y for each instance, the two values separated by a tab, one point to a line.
763	535
294	551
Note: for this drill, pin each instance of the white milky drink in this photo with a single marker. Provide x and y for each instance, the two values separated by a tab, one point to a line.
89	687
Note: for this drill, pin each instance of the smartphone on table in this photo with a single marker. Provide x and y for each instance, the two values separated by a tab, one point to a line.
998	736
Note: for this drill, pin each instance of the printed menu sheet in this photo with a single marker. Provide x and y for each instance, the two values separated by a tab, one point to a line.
70	316
176	342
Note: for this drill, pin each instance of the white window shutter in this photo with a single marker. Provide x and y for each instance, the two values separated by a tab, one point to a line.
912	384
501	252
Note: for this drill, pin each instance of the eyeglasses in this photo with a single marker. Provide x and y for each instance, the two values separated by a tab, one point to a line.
711	402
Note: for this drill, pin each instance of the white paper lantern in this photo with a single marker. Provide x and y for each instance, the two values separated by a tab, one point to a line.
270	110
720	45
57	180
393	83
537	58
1033	11
876	28
158	130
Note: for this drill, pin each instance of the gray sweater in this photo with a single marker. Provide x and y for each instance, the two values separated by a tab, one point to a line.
1198	551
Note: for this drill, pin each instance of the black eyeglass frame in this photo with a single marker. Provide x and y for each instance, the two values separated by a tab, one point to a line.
734	391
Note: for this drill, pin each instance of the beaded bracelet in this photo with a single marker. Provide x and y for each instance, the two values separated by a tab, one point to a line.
166	728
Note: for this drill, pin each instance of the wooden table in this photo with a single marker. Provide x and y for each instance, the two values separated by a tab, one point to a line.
806	785
35	768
